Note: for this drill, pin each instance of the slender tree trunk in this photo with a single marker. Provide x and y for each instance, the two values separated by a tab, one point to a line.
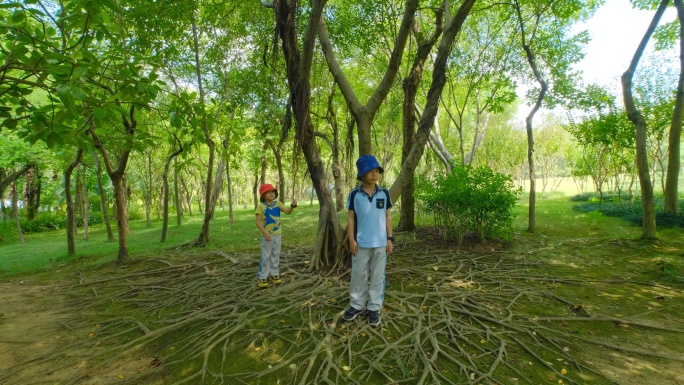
674	160
118	177
427	118
531	60
255	191
15	210
203	238
410	85
84	206
39	190
30	182
176	195
648	202
70	222
104	201
165	181
229	183
331	118
148	193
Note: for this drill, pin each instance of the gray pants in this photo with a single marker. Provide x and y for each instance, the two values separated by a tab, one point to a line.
368	265
269	264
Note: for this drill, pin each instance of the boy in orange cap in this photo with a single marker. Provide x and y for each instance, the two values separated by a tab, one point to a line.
268	222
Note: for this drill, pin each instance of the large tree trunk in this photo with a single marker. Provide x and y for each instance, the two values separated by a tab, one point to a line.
165	180
365	113
410	86
329	238
104	201
70	221
648	203
427	119
674	160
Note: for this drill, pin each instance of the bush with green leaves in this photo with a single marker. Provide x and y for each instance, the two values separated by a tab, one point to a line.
479	200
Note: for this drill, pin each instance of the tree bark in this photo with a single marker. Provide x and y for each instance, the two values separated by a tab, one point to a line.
70	221
203	238
229	183
410	85
331	117
15	211
12	177
427	118
176	195
634	115
85	212
165	181
364	114
117	175
31	181
104	201
671	205
329	238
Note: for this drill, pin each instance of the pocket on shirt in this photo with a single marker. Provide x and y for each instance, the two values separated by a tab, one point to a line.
380	204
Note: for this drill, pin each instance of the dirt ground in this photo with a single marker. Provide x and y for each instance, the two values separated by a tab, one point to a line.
36	321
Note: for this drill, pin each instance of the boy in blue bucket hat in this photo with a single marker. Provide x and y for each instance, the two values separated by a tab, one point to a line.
369	229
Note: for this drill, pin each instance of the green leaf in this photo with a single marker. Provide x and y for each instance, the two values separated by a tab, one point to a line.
18	16
78	93
101	112
52	139
10	5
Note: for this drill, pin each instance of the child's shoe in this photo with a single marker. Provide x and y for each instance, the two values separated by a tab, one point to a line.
275	279
351	313
262	283
374	318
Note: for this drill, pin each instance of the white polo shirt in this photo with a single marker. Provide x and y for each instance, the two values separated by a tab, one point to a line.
370	216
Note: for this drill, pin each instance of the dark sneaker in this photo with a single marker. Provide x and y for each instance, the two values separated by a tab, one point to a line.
374	318
262	283
275	279
351	313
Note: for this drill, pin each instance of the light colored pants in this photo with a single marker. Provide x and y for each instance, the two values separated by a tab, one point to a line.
368	264
269	264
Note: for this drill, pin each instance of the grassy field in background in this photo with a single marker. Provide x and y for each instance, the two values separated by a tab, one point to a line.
48	250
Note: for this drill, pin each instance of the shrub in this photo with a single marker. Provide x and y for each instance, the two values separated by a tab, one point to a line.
470	199
634	213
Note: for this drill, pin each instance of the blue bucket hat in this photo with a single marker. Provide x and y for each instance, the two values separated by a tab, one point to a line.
365	164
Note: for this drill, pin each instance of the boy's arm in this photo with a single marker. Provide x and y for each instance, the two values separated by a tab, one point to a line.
289	210
351	224
260	226
388	220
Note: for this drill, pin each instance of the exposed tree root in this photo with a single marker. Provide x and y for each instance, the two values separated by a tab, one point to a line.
449	317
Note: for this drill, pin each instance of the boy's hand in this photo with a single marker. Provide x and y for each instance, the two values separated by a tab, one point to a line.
389	246
354	247
267	237
294	202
